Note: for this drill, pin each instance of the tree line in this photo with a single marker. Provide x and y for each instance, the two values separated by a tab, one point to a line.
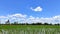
38	23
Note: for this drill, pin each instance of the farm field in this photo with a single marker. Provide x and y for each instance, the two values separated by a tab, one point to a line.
29	29
28	26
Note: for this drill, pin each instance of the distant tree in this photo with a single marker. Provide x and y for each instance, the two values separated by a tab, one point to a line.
46	24
57	24
26	24
7	22
33	24
15	22
38	23
12	23
50	24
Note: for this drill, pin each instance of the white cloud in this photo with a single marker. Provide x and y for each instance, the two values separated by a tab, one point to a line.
37	9
17	15
3	17
53	20
13	17
22	18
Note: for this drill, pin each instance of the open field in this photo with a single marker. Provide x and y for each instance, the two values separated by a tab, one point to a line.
28	26
29	29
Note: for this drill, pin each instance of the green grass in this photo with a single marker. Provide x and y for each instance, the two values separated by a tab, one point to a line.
53	29
27	26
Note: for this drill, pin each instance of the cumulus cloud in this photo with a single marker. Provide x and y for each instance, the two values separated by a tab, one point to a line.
3	17
13	17
53	20
22	18
17	15
37	9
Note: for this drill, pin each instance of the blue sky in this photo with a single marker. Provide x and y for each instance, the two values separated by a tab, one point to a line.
48	8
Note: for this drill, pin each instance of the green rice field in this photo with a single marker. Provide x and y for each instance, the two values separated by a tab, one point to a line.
29	29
